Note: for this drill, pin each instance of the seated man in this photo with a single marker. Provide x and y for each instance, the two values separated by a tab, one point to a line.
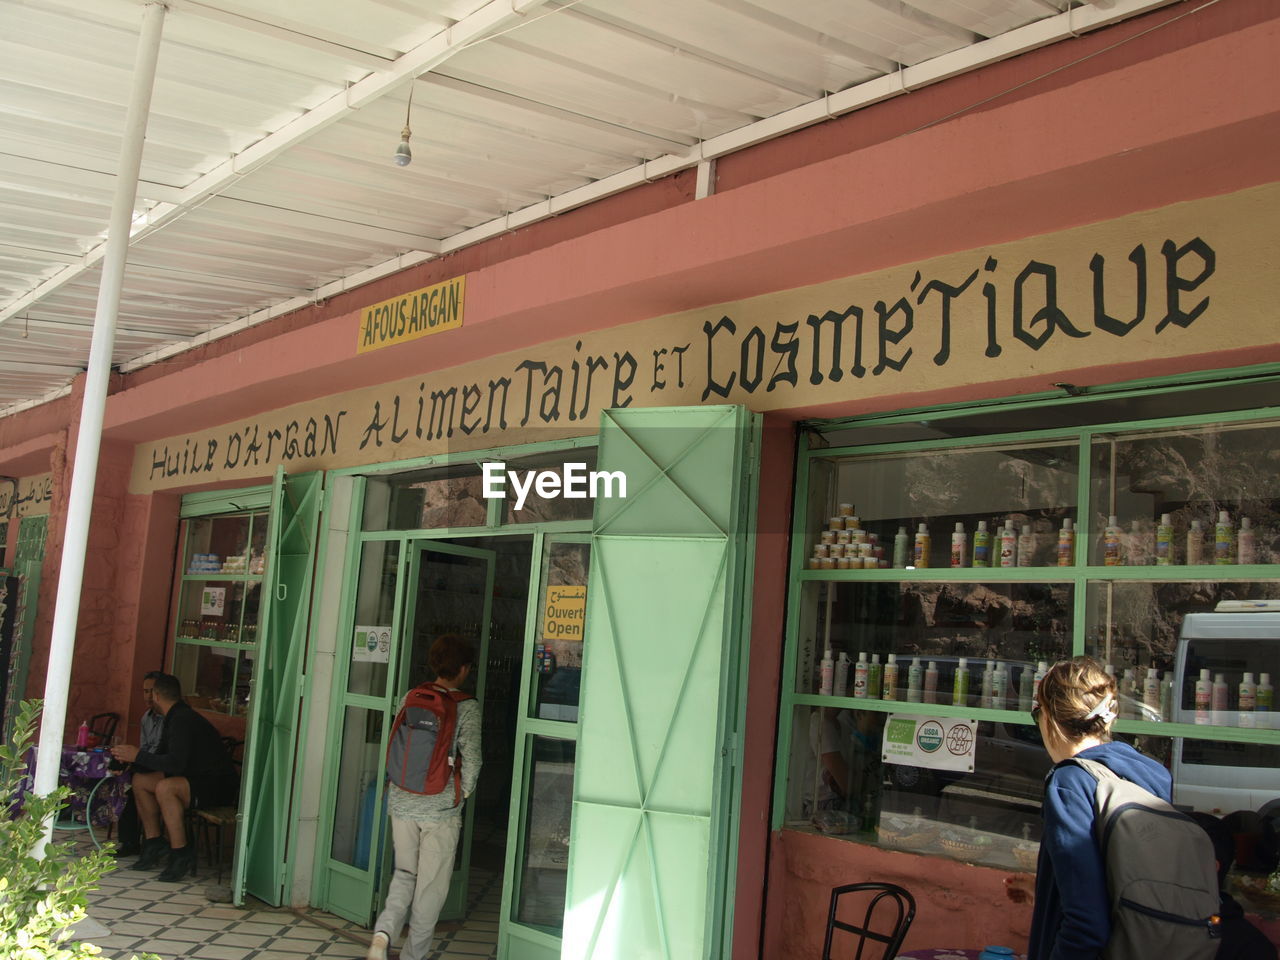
150	727
190	768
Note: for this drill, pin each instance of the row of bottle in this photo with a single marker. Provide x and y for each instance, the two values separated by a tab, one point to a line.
1212	699
1007	546
210	628
1139	548
876	681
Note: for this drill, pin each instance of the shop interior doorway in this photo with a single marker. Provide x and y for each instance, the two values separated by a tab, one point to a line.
452	597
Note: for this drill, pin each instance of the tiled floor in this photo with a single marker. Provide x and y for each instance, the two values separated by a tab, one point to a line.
179	921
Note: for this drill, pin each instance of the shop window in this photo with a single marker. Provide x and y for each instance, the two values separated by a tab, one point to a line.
942	563
433	499
557	667
544	866
536	507
216	616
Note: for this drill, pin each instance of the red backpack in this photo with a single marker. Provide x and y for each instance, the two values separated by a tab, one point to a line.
421	751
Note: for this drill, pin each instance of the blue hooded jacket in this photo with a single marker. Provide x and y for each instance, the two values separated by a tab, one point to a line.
1072	918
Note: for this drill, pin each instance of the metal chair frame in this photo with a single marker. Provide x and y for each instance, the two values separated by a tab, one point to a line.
902	901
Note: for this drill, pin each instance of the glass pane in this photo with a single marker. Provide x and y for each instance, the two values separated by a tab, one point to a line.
1169	489
218	544
1138	628
451	598
557	653
879	504
249	625
1001	630
258	542
533	506
211	609
838	784
375	607
360	769
207	675
244	676
426	499
545	864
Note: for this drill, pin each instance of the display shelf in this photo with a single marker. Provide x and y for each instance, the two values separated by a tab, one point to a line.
224	577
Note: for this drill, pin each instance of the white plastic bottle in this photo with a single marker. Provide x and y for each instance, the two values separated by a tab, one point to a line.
1066	544
1041	669
959	546
1204	694
1000	688
1195	544
1219	701
1151	694
1111	543
960	686
1026	546
890	691
1246	542
1008	546
860	676
931	683
841	685
901	548
922	547
1026	688
874	677
988	685
1247	700
982	545
1166	696
1164	541
1128	694
1266	694
915	678
827	668
1224	539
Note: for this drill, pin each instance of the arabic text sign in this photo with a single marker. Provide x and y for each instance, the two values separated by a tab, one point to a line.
564	613
938	743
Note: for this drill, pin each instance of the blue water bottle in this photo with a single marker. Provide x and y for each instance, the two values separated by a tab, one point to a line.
996	953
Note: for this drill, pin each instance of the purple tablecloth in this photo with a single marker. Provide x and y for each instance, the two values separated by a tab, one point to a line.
946	953
82	770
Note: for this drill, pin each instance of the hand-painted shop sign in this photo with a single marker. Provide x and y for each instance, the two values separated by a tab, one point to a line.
564	613
27	497
938	743
1195	278
418	313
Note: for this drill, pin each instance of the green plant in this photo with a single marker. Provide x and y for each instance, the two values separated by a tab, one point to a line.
40	899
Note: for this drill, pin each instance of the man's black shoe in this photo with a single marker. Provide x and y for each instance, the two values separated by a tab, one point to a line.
182	860
153	852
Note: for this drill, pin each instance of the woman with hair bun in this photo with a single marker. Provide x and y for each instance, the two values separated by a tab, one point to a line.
1075	707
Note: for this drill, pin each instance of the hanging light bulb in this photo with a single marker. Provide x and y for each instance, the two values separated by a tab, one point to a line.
403	155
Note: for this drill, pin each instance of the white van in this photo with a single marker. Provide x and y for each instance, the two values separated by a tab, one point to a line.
1222	776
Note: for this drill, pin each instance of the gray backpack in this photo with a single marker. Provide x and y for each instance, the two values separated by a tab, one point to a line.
1160	873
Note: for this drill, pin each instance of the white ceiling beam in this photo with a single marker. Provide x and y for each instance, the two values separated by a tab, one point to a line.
229	210
77	183
493	16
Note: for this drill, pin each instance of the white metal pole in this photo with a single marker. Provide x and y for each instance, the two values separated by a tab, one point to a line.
66	609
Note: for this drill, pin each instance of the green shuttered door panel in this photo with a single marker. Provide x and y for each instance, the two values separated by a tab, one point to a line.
277	677
659	690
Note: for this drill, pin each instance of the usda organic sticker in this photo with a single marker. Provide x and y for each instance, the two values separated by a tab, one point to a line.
938	743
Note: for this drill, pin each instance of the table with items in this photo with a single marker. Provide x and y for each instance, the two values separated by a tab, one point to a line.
94	786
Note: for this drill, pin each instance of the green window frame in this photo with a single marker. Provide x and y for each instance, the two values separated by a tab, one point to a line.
818	440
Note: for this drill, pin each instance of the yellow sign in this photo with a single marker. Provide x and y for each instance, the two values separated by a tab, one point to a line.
415	314
564	613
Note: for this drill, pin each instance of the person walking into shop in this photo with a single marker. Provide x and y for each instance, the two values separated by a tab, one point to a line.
189	768
1075	707
425	826
150	726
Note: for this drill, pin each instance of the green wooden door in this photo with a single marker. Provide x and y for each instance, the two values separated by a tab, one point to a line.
271	733
28	562
651	848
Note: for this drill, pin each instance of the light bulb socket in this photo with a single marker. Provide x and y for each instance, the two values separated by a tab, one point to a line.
403	155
